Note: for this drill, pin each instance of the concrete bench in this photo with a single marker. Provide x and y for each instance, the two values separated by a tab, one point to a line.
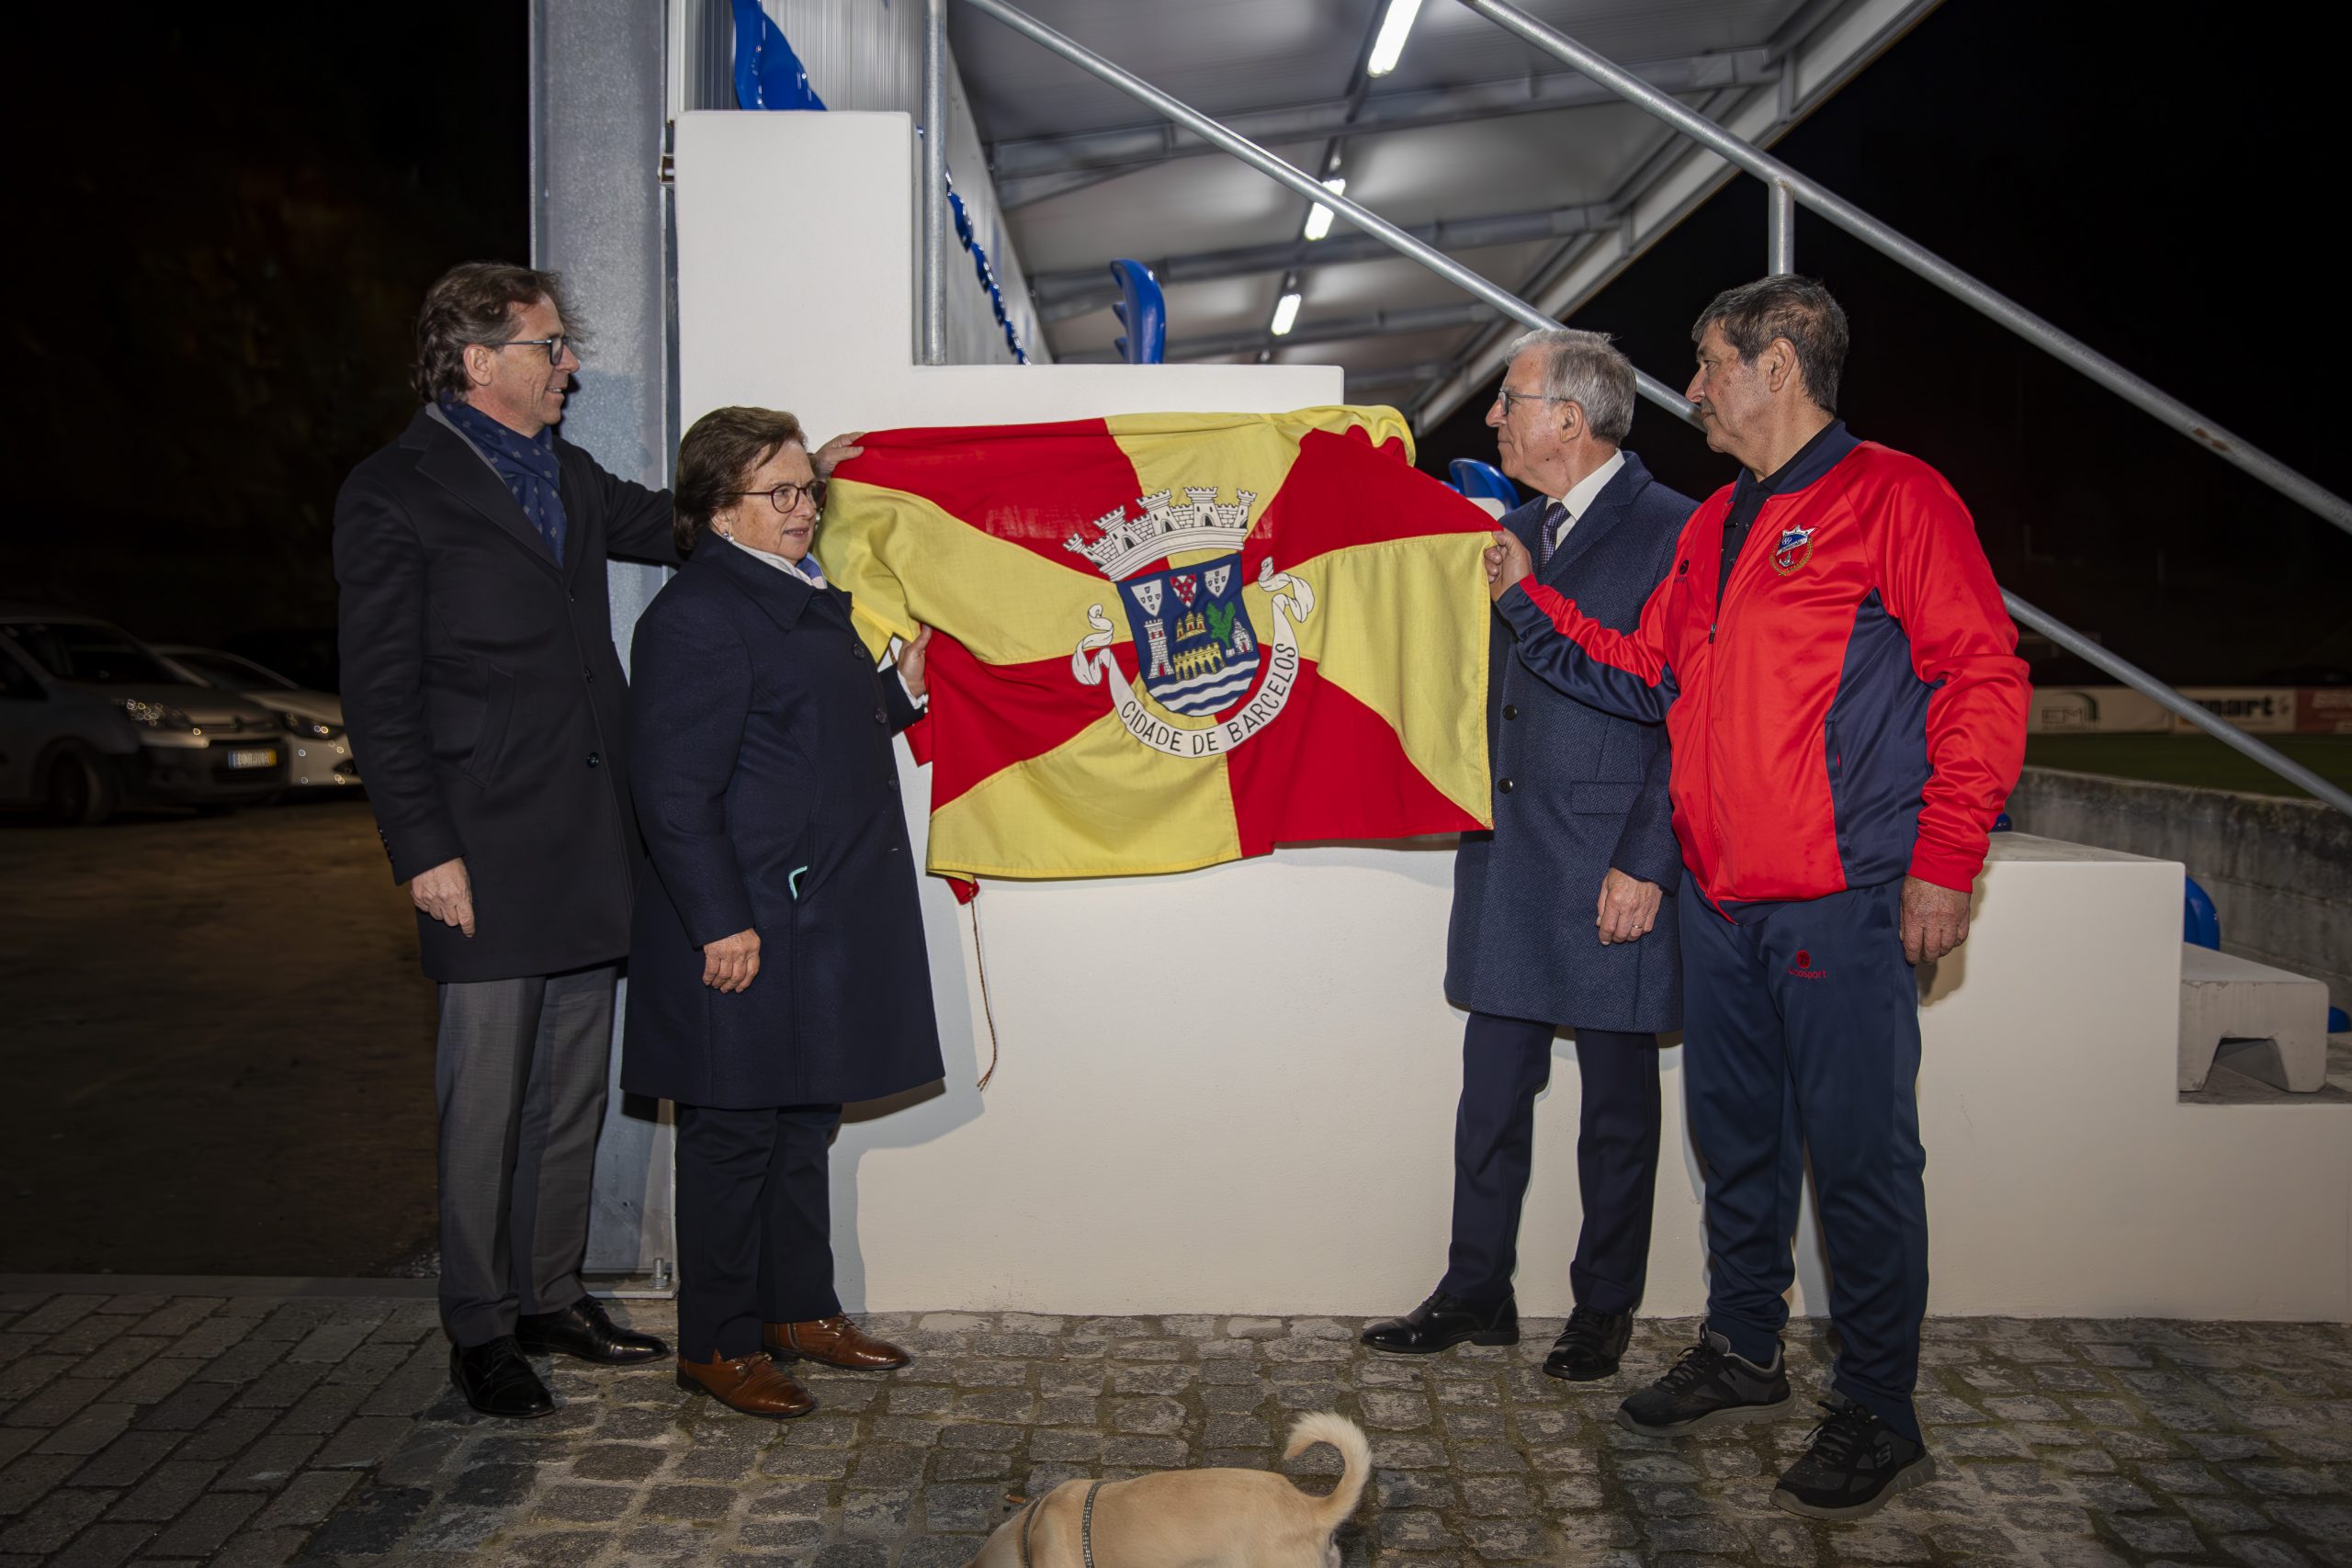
2263	1022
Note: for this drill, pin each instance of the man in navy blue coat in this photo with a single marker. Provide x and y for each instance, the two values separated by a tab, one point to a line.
1581	833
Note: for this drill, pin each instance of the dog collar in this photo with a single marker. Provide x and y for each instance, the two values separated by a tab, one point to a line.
1085	1528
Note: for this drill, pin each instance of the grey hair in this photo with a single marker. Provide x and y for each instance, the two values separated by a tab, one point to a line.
1797	308
1587	369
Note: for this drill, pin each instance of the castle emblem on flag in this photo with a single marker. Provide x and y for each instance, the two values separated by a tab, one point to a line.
1196	654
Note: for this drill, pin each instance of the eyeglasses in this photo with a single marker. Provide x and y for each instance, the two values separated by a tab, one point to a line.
1505	396
554	345
783	497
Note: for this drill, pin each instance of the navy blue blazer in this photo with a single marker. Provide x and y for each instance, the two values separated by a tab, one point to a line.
769	800
1576	791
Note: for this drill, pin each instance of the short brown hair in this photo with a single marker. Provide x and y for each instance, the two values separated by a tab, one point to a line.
722	451
473	303
1797	308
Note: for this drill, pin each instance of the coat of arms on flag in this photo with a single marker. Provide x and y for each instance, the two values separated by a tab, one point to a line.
1170	640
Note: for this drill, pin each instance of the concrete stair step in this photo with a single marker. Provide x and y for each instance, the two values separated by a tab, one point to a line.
2263	1022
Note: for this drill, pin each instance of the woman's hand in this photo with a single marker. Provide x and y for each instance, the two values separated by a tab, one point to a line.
728	964
910	664
838	450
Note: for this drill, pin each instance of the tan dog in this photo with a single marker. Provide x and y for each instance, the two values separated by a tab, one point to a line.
1192	1519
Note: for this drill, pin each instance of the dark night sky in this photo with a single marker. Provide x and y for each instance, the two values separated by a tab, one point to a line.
2154	196
232	231
236	223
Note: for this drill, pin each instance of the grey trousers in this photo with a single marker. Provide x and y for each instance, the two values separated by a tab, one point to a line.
519	1071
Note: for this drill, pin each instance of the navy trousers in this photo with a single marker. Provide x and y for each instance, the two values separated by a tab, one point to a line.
1506	1062
754	1224
1801	1031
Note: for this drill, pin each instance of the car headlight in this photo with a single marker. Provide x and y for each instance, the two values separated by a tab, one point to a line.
155	715
303	729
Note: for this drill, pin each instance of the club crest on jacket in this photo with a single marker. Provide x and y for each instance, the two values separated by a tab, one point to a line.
1794	550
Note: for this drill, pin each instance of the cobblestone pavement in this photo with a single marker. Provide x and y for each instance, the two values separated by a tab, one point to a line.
264	1428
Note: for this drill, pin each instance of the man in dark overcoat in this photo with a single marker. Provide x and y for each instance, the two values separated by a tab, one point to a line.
1582	834
490	715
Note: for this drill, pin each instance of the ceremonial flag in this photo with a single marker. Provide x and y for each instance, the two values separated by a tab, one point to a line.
1168	640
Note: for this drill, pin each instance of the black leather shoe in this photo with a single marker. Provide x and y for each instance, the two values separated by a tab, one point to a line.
496	1381
581	1329
1589	1348
1443	1322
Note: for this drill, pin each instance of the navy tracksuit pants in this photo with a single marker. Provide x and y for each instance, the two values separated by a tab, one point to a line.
1800	1032
1506	1062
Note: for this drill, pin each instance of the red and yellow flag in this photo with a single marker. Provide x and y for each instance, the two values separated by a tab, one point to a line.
1168	640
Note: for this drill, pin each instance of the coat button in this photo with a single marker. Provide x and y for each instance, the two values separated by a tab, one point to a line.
1502	786
1511	710
881	716
893	780
592	758
590	676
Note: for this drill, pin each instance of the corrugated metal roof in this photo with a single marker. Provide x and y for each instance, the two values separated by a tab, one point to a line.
1232	58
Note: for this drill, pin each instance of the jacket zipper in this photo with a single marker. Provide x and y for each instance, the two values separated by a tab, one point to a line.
1721	623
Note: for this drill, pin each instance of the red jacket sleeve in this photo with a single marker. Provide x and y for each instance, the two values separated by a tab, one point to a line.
1938	584
1624	673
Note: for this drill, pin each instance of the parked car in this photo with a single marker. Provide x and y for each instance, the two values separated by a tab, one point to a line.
93	719
313	720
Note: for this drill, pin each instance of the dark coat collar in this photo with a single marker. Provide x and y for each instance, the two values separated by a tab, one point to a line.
451	461
781	596
1607	509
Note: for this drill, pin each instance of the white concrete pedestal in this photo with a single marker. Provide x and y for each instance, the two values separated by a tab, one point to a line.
1233	1090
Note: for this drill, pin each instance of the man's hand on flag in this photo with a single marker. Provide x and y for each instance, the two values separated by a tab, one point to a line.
910	663
1507	562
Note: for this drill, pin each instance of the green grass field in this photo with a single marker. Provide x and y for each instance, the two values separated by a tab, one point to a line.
2196	759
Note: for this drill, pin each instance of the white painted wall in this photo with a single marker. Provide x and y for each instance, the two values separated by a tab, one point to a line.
1284	1145
864	56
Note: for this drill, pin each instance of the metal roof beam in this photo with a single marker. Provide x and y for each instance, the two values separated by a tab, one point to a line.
1031	169
1077	292
1330	329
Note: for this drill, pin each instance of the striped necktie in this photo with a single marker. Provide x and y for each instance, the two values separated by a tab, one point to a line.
1553	515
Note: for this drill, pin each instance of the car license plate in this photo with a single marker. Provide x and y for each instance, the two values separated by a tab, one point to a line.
253	757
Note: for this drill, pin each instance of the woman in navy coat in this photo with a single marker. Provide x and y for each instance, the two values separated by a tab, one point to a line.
777	966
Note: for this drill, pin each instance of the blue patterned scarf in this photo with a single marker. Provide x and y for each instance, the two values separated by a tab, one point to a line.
527	464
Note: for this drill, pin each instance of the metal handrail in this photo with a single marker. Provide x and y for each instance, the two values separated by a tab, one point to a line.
934	209
1306	185
1788	188
1926	263
2147	685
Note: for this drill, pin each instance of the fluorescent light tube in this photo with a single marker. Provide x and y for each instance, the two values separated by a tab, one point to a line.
1318	217
1286	314
1389	47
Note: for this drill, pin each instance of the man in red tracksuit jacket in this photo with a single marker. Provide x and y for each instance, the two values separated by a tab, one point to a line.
1842	693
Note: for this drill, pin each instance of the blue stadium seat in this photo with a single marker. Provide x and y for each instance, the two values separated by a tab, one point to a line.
1476	480
1143	311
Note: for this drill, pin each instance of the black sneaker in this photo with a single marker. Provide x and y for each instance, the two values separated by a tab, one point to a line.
1853	1465
1589	1348
1709	1387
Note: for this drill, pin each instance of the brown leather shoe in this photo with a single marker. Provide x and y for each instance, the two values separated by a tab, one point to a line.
752	1385
835	1341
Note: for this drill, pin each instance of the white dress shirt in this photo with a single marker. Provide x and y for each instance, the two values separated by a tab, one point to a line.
1580	494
